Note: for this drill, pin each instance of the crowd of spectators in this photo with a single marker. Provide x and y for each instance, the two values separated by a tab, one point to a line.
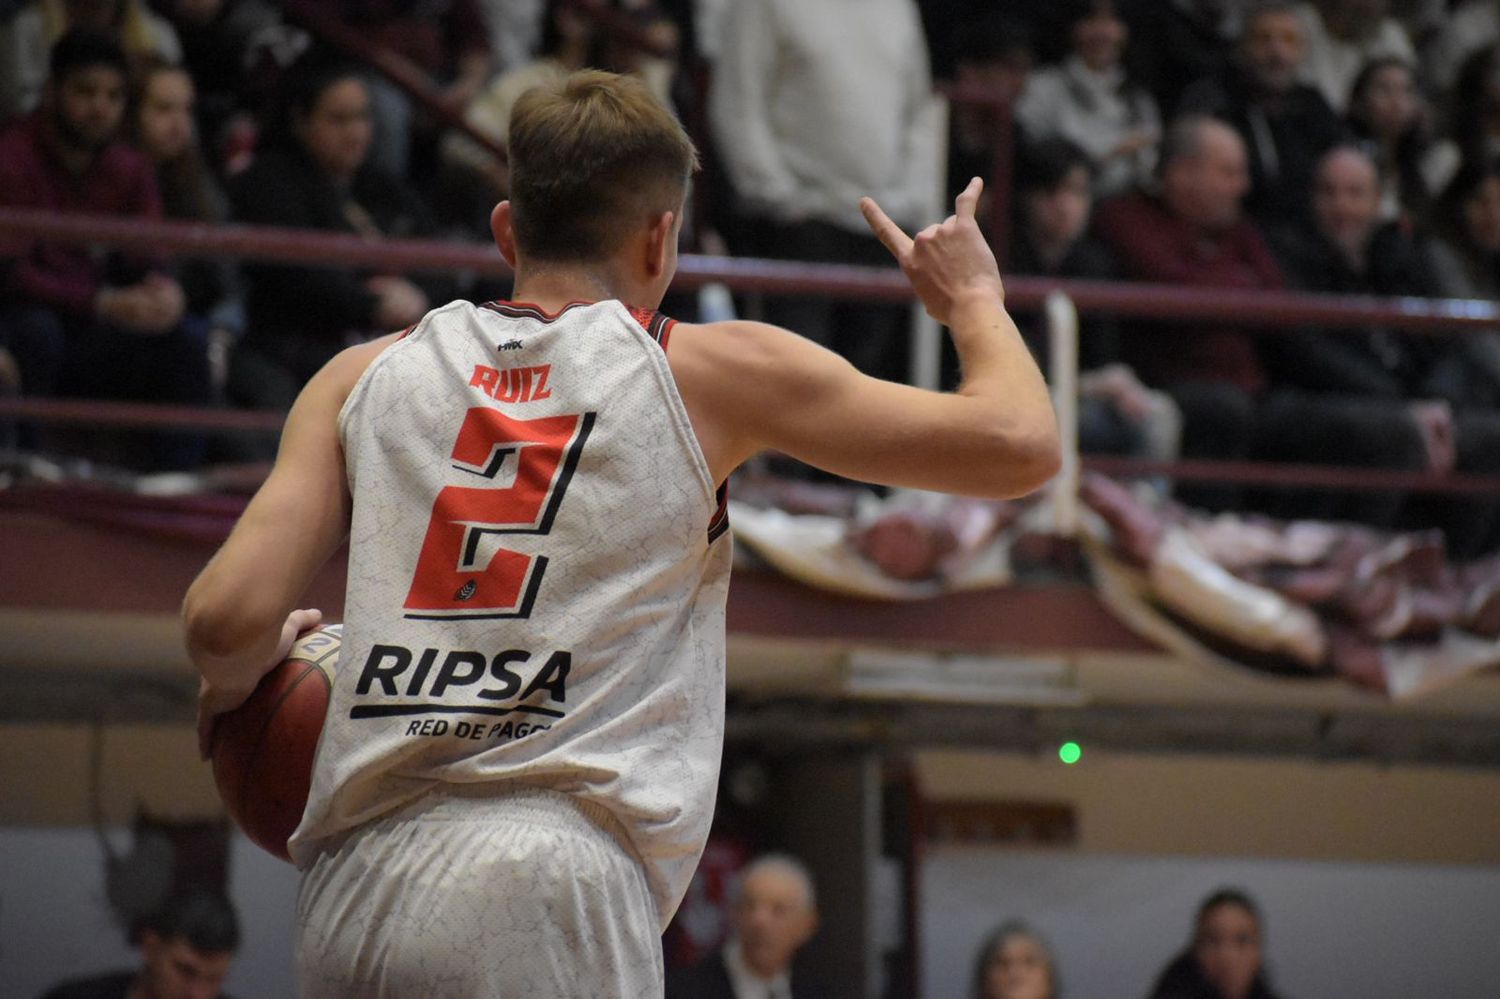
1333	145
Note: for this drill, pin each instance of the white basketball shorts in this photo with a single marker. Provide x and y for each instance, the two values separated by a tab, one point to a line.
467	894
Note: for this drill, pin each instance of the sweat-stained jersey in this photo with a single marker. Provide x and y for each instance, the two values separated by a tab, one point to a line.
537	577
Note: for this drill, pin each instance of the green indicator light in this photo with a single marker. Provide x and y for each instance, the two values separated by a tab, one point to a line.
1070	752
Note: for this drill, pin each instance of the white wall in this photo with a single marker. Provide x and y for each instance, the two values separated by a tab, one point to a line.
1375	931
54	922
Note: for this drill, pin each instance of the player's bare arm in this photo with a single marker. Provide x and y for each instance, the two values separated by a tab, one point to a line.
749	386
240	614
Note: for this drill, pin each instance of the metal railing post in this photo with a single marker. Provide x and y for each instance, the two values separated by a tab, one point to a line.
1062	340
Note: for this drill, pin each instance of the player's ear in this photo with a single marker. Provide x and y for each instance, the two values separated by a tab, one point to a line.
503	229
662	241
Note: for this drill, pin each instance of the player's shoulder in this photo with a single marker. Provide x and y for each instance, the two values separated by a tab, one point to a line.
738	367
735	343
727	333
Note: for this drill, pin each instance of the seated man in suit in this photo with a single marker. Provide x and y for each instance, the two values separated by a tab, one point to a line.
775	913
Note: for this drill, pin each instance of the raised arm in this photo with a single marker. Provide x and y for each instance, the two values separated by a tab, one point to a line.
238	615
748	386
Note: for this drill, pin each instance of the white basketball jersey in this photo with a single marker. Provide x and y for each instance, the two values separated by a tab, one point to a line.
537	577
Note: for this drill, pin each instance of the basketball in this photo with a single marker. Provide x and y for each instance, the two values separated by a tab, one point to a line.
263	750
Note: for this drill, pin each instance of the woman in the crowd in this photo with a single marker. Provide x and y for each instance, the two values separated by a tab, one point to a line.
1225	958
1466	233
162	126
1091	100
314	173
1473	110
1465	263
1390	117
1015	963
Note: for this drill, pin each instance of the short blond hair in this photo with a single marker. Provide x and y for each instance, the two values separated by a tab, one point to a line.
592	157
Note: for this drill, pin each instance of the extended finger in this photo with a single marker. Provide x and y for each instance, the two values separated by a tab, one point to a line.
968	200
888	232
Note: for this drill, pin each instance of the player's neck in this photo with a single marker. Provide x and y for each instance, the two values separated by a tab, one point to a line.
553	286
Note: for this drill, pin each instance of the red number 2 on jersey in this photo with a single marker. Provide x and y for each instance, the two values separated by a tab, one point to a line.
540	457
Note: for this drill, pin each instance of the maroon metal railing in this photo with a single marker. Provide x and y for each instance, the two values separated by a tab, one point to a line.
1270	310
1267	310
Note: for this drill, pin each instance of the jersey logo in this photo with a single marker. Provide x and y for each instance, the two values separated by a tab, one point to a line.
528	465
510	345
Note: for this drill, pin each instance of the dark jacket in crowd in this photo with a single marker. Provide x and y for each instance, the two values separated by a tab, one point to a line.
111	986
1285	136
1376	362
1183	979
709	979
284	188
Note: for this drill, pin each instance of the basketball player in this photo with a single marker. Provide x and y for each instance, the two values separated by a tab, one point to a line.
517	771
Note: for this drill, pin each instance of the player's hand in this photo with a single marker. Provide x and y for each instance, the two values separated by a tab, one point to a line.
130	309
215	701
399	303
298	623
166	299
1434	419
948	264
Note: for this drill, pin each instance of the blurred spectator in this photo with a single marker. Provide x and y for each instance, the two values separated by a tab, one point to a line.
80	323
707	20
1343	35
314	174
1474	107
475	179
1353	397
775	914
1225	958
655	61
814	106
1193	233
516	28
1286	125
1015	963
162	127
186	952
1117	414
992	53
1090	100
1421	19
446	41
1175	43
28	34
944	20
1466	246
1470	26
1466	264
233	50
1390	117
